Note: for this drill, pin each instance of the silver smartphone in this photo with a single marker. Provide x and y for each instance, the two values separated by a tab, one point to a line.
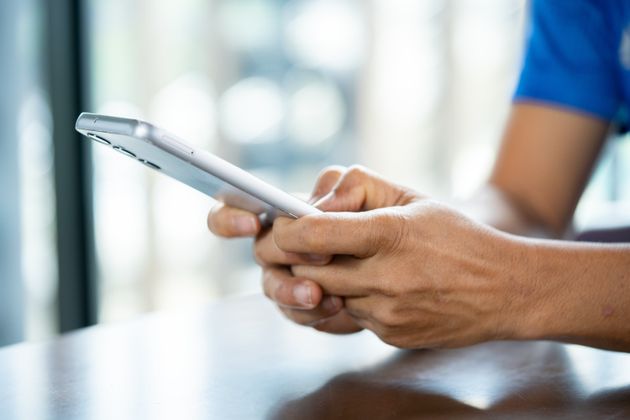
203	171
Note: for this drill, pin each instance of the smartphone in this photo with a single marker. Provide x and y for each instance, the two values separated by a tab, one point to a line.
164	152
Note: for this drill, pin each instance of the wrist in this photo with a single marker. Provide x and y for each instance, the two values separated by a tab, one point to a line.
534	291
571	292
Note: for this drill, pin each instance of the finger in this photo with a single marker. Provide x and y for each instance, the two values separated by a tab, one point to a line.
340	323
363	323
329	307
361	307
326	180
267	253
344	276
359	234
371	313
360	189
288	291
231	222
360	310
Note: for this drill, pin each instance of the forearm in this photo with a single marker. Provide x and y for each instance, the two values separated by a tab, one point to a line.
567	291
575	293
492	207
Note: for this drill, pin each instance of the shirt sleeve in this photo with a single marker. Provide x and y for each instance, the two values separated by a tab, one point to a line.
571	58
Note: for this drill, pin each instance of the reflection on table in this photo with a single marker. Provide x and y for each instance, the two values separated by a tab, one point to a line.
241	359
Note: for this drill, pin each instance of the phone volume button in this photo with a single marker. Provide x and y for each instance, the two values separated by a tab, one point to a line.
124	151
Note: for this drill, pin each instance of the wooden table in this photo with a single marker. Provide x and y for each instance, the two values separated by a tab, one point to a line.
240	359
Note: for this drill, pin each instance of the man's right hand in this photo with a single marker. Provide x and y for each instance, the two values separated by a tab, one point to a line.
300	299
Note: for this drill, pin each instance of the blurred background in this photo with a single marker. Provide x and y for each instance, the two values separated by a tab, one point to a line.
416	90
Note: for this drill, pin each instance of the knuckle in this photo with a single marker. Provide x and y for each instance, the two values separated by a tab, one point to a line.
315	236
393	229
388	317
383	233
432	210
331	171
326	179
217	220
357	171
278	236
312	234
355	175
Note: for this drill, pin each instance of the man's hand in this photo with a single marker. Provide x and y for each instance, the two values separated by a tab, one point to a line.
300	299
416	272
337	189
420	274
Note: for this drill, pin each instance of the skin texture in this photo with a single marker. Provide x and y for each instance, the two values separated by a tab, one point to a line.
420	273
545	160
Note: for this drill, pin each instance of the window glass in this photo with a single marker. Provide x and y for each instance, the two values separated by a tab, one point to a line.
27	208
417	90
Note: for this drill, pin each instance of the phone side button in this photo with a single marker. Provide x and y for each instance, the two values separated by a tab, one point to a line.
149	164
99	139
124	151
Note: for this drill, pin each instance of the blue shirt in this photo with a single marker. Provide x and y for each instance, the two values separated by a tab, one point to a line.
578	56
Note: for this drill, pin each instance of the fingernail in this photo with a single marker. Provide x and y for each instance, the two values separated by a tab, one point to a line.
245	225
332	303
302	294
